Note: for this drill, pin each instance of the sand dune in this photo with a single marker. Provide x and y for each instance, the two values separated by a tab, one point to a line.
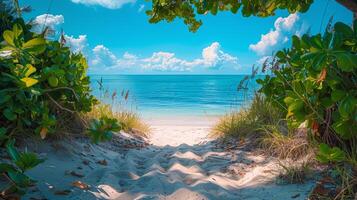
182	163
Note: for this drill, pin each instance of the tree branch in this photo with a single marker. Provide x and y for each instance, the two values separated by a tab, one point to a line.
350	5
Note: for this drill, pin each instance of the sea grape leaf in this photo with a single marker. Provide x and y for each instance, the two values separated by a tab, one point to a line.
337	95
346	106
346	61
344	29
9	37
9	114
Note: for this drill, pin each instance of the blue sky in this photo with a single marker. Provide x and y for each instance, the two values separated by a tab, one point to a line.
117	38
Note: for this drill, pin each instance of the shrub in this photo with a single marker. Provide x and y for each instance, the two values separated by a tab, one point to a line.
39	80
315	81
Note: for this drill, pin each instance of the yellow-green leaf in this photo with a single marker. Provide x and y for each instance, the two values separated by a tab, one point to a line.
30	70
34	42
17	29
29	81
9	37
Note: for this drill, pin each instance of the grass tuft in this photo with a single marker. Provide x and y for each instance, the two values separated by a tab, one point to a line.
295	173
248	120
284	143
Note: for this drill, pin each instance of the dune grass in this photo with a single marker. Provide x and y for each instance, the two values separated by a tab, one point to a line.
295	173
248	120
268	128
284	143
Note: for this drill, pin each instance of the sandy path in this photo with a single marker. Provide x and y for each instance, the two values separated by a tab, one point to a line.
182	164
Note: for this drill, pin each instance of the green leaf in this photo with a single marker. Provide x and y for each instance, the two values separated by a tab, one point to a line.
347	106
337	95
53	81
4	168
14	154
346	61
9	114
36	45
34	42
29	81
17	30
3	135
20	179
4	97
9	37
28	161
343	29
343	129
327	154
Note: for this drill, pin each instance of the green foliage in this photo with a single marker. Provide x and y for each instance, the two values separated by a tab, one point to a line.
39	78
327	154
316	80
102	130
187	10
21	163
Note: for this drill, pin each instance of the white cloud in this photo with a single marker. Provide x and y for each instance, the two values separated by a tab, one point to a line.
47	20
111	4
76	44
212	58
165	61
276	36
141	8
103	57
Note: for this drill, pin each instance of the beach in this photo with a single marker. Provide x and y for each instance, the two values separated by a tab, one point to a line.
181	162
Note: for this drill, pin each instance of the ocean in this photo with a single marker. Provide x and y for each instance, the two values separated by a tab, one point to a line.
166	95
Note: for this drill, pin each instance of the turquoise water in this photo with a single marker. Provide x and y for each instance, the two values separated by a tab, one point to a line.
176	94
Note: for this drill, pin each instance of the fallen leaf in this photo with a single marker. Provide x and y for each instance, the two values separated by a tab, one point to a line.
320	190
80	185
327	179
103	162
85	162
62	192
43	132
73	173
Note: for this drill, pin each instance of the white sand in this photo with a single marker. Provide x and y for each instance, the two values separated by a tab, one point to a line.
182	163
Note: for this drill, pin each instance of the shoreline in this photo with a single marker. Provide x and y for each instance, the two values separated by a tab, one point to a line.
181	120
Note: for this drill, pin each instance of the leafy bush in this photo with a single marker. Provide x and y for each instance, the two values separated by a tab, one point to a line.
39	80
40	77
102	130
316	81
